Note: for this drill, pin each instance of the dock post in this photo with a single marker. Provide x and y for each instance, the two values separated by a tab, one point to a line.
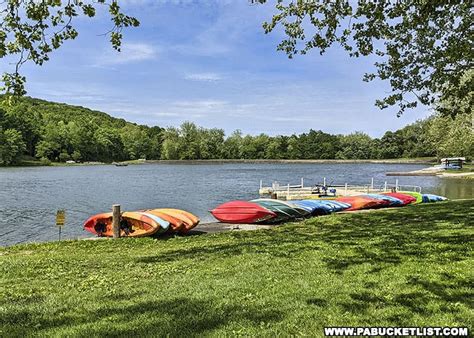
116	220
385	186
372	184
261	184
345	189
396	184
302	182
288	192
324	181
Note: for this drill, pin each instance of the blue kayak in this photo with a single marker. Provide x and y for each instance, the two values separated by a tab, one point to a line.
164	225
336	205
429	198
315	207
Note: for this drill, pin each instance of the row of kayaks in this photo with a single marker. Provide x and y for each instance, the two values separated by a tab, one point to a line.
159	221
143	223
276	211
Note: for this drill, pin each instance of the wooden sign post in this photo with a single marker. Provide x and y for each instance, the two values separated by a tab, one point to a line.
116	220
60	220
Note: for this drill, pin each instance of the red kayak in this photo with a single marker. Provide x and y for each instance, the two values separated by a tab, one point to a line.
242	212
362	202
406	199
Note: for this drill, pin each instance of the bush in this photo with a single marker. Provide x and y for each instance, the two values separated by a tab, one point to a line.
63	157
45	161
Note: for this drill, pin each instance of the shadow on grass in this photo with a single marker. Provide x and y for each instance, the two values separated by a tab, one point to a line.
175	317
415	302
319	302
364	301
381	238
388	238
448	290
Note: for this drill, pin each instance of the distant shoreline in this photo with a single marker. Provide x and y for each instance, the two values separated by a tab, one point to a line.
328	161
228	161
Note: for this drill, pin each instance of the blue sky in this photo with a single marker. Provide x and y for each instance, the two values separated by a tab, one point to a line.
211	63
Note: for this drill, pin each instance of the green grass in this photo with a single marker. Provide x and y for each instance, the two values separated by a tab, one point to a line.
411	266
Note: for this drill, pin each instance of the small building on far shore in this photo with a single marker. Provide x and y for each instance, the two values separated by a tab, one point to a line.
453	162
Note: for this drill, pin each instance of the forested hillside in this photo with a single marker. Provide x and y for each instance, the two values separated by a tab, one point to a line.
59	132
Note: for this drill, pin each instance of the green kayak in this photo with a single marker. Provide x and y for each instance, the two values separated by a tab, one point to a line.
281	208
417	195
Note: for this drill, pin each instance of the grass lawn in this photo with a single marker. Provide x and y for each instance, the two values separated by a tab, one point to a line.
411	266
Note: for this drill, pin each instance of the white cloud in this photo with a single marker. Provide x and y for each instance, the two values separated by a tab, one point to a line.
130	52
206	77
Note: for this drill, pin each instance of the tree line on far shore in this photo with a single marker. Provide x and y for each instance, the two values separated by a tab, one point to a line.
33	128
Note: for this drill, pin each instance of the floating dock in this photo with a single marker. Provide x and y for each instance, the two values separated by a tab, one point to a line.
323	191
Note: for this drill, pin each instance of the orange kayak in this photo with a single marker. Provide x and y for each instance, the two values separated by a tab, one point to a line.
360	202
189	220
176	224
133	224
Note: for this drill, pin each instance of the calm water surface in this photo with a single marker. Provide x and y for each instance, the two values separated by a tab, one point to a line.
29	197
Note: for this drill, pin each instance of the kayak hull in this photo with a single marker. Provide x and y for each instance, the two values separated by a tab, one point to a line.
317	208
406	199
359	202
391	201
429	198
240	212
176	224
141	224
417	195
291	209
189	220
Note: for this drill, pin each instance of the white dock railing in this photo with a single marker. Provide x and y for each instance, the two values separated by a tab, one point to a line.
347	188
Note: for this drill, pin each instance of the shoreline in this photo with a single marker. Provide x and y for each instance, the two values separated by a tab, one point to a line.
438	172
230	161
316	161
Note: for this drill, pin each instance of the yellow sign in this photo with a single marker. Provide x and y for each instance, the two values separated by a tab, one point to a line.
60	217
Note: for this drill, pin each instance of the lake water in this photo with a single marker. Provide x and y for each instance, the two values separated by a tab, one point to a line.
30	197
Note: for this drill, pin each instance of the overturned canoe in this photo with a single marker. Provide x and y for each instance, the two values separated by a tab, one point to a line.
132	224
240	212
